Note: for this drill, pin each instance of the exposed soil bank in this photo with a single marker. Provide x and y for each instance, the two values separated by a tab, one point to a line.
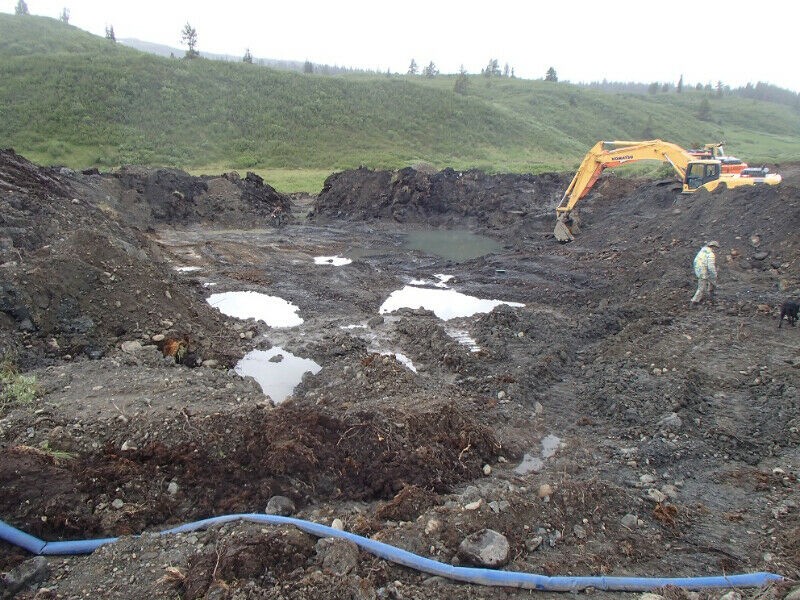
659	439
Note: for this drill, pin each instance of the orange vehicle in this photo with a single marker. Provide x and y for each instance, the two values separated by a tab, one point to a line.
728	164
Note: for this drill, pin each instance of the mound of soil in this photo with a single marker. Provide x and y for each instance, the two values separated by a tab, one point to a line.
605	427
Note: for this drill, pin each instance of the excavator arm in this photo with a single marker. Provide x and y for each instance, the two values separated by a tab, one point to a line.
604	155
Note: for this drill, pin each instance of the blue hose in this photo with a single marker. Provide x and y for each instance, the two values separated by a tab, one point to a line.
513	579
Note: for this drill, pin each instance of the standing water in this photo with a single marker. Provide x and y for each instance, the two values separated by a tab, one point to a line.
277	371
452	244
274	311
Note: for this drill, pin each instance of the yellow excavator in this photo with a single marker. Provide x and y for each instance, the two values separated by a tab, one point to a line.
694	173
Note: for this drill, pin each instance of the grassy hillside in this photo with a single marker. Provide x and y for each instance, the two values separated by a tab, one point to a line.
69	97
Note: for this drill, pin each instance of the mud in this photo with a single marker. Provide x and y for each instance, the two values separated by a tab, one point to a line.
677	426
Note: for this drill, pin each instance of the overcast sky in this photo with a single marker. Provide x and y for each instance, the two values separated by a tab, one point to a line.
706	41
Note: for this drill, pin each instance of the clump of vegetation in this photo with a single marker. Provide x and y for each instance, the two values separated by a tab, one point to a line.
15	388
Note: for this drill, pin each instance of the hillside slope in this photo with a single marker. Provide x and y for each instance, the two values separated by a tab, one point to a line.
73	98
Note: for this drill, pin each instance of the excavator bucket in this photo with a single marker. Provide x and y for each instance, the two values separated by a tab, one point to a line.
562	232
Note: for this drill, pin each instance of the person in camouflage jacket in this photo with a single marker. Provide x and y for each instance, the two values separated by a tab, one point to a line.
705	268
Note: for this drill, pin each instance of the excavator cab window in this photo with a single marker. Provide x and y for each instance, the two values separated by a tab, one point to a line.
698	173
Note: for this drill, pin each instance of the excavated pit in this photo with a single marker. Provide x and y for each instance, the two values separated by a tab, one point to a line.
677	427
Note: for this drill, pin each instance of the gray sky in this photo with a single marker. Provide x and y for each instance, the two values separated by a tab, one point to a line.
734	41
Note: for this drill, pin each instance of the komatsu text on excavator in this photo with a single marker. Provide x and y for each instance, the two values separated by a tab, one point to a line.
707	169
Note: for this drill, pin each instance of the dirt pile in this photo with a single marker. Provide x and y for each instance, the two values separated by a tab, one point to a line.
448	198
79	275
605	427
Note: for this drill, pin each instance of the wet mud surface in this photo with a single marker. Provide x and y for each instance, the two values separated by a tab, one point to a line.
605	427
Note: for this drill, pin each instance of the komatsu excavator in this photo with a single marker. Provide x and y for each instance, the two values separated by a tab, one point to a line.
693	172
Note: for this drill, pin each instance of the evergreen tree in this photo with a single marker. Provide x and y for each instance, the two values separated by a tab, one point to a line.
704	112
247	58
551	75
189	37
647	133
64	16
412	68
460	86
653	88
506	70
308	67
110	34
679	89
492	69
430	71
21	8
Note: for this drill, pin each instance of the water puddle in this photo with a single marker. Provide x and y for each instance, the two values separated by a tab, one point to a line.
533	463
402	359
336	261
442	282
456	245
445	303
464	338
274	311
277	371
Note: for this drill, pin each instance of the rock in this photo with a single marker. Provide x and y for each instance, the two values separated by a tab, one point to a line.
117	503
280	505
670	421
484	548
474	505
647	478
210	363
533	543
432	526
23	575
276	359
339	557
655	495
131	346
579	531
498	507
60	438
630	521
670	490
487	470
172	488
337	524
538	408
651	596
545	490
159	337
732	595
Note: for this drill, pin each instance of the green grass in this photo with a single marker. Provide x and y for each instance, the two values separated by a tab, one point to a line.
15	389
70	98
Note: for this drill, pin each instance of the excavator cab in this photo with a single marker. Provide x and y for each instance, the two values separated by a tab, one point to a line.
700	172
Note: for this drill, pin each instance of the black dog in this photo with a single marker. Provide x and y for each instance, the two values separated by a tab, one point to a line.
789	310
